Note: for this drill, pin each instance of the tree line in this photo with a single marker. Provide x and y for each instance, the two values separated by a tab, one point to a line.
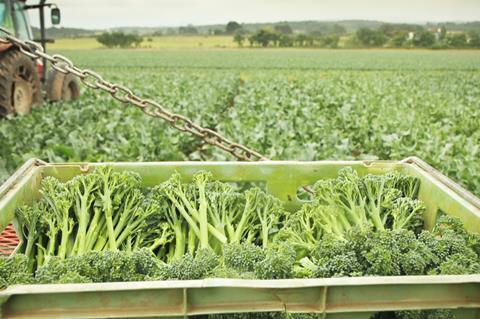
283	35
408	36
386	36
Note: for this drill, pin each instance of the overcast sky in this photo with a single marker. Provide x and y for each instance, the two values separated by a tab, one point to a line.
111	13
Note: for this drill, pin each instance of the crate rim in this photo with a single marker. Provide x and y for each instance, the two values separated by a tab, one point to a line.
15	179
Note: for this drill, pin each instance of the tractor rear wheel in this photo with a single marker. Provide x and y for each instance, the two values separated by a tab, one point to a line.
20	86
62	87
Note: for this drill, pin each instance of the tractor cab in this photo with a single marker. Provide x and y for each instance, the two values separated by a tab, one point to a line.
12	17
25	82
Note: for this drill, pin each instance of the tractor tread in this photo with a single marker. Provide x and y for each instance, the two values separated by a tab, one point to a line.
8	61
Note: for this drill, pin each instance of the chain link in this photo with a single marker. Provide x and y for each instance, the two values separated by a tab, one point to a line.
125	95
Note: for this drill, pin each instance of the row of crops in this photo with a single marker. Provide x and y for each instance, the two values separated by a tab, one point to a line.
302	115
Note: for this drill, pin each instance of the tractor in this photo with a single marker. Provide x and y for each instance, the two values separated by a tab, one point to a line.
25	82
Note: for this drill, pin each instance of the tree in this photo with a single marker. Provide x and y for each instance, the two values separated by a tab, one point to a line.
283	28
330	41
399	39
443	32
474	39
106	39
457	40
387	29
189	29
119	39
371	38
251	40
301	39
263	37
285	41
232	27
424	39
239	38
339	29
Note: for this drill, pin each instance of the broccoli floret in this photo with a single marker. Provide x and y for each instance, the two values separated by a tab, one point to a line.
72	277
223	271
407	213
473	241
460	264
336	258
106	266
242	257
302	229
453	250
278	263
449	224
395	253
51	272
15	270
386	253
192	267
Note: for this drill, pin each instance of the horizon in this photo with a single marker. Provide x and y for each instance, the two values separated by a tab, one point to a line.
106	14
266	22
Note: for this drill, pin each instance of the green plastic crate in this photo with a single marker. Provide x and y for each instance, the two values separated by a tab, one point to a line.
335	298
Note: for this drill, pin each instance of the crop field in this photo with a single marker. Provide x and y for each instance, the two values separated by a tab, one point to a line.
163	42
287	104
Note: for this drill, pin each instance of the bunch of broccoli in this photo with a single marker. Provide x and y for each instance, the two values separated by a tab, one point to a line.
447	250
105	226
207	214
350	203
108	210
104	210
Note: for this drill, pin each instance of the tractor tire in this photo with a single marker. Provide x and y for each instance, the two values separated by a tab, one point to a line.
20	86
62	87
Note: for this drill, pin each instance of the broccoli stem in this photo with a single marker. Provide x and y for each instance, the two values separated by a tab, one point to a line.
66	229
92	233
52	239
83	219
160	241
100	244
191	245
106	196
30	240
241	225
127	213
202	216
128	244
401	225
217	234
137	243
110	230
192	224
263	216
40	255
308	264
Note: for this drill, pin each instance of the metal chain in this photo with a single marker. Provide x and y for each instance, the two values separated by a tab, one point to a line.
125	95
